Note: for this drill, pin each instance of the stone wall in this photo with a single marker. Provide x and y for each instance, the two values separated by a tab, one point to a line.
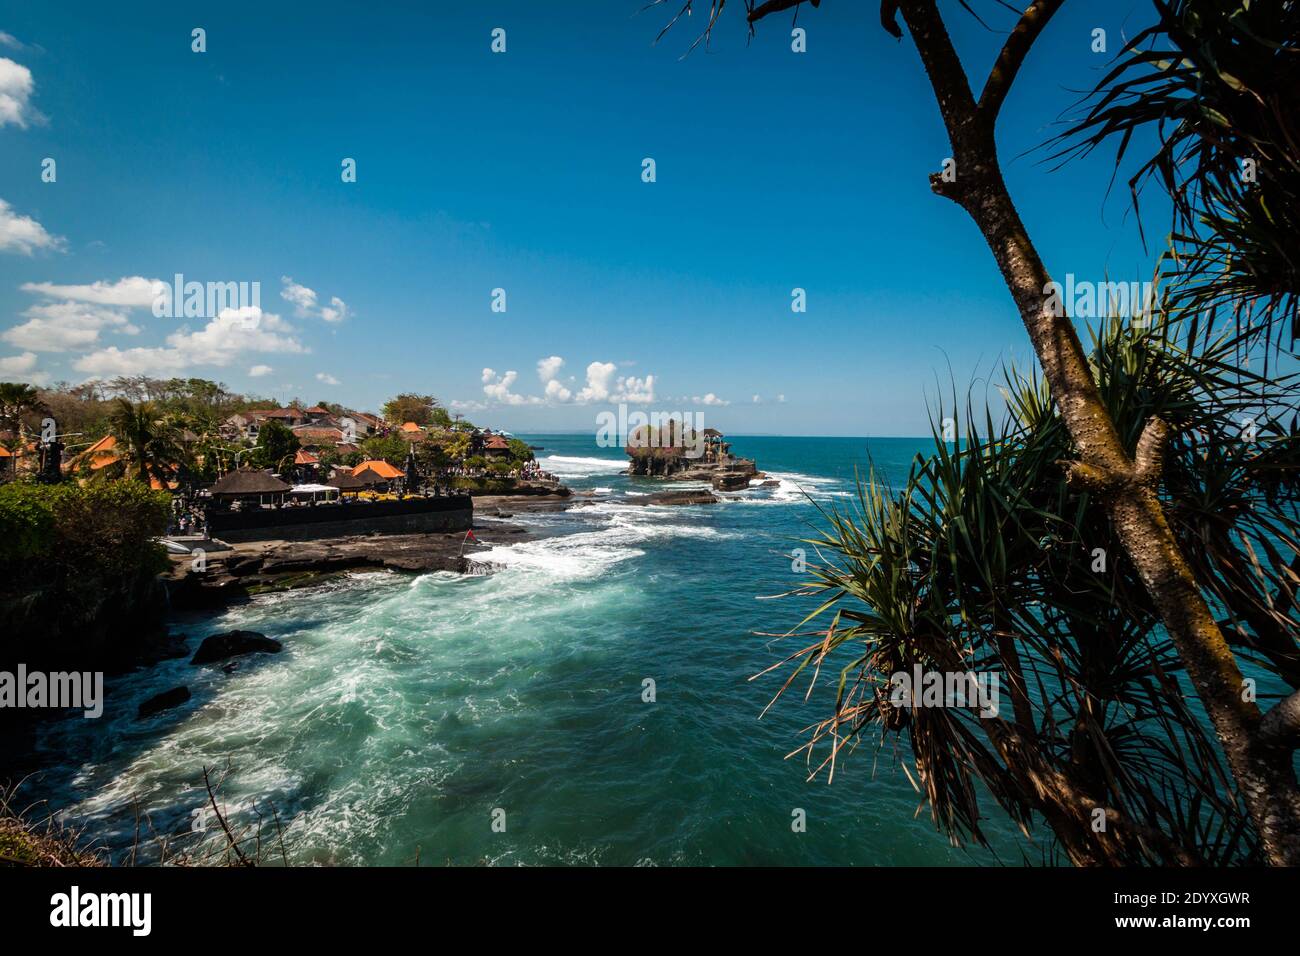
421	515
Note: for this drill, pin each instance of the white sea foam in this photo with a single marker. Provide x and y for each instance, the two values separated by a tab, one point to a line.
563	466
795	487
590	553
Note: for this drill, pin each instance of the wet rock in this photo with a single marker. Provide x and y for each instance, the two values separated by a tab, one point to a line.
164	701
730	481
701	496
218	647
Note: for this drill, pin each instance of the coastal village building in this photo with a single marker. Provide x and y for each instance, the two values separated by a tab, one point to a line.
248	485
413	432
316	437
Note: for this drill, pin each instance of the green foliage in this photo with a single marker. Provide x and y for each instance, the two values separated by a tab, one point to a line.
490	486
70	553
276	446
17	400
1219	86
519	450
392	448
987	561
148	446
421	409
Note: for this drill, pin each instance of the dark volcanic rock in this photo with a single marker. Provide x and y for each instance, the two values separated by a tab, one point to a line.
218	647
730	481
164	701
700	497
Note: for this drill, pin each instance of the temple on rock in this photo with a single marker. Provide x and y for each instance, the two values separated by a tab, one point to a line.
680	453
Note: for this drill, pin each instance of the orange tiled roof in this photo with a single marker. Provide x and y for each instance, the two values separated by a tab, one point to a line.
318	432
305	458
99	455
381	468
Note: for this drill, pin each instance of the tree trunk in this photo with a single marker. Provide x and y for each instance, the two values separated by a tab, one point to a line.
1126	484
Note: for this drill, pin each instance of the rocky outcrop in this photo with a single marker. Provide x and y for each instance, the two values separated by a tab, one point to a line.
687	455
219	647
164	701
694	497
730	481
251	569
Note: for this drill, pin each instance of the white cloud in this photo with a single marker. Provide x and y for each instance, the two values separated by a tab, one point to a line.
460	406
758	399
554	390
66	326
709	399
635	391
599	375
132	292
9	40
223	340
781	399
302	298
16	93
305	302
257	371
602	386
336	311
22	234
327	378
497	389
548	368
22	367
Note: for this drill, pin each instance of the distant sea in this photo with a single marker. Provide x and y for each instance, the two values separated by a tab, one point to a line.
405	710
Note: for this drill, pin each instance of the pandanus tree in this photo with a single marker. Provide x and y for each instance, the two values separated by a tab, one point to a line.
989	561
1120	465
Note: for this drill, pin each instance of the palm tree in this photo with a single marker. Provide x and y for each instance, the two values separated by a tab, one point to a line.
16	400
148	448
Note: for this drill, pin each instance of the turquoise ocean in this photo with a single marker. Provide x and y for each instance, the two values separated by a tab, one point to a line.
405	711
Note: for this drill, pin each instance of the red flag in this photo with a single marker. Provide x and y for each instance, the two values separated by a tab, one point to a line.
470	536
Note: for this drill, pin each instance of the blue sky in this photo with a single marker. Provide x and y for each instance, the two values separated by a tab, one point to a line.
522	171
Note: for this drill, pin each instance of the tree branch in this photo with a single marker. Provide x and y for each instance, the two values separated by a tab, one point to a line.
1280	727
1013	55
944	69
1149	461
776	6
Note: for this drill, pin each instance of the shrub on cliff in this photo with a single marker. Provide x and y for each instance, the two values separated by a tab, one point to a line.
71	555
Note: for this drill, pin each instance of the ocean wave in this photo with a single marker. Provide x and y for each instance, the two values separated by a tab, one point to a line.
588	554
564	466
